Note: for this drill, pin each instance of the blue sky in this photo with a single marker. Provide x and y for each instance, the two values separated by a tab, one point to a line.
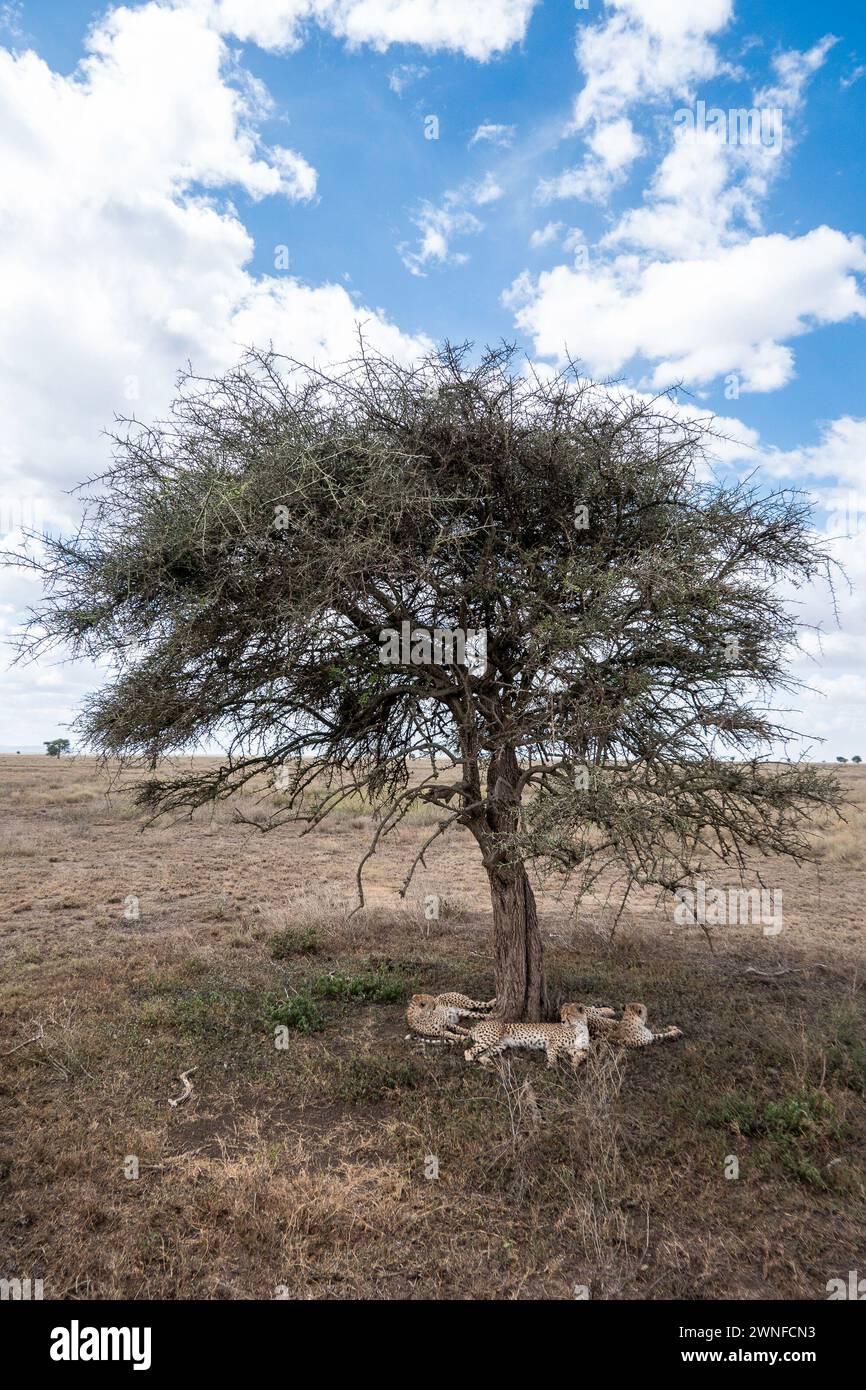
157	156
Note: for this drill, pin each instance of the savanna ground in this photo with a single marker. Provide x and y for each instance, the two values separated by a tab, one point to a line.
303	1171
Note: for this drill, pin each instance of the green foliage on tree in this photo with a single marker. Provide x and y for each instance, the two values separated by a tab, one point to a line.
56	746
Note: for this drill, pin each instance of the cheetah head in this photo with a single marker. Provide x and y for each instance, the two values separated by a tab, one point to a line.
637	1011
573	1013
422	1000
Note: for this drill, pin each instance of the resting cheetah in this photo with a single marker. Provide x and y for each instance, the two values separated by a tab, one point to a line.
492	1037
631	1030
429	1019
466	1007
597	1016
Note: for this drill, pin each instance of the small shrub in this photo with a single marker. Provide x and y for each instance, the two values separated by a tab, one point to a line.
301	1012
738	1113
294	942
801	1115
379	986
800	1166
193	968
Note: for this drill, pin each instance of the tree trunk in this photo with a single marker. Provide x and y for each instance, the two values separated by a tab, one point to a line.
521	990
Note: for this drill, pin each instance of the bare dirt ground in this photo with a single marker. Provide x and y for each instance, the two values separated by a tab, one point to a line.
309	1170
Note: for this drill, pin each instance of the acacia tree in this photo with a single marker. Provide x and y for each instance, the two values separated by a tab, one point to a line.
246	564
56	746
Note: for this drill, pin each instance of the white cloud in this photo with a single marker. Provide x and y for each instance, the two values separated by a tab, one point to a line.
696	319
479	29
685	281
695	199
123	256
502	135
439	226
834	660
708	190
404	75
839	454
573	239
793	70
11	17
670	19
613	148
543	236
642	52
196	128
852	77
317	324
645	51
705	199
615	144
298	178
487	190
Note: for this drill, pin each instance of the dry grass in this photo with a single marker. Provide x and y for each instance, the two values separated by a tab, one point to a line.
843	841
304	1172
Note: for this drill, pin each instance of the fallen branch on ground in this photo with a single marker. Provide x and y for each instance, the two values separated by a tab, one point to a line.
37	1037
187	1087
790	970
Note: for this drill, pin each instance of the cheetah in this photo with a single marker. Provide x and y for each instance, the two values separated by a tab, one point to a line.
631	1030
466	1007
598	1016
427	1018
492	1037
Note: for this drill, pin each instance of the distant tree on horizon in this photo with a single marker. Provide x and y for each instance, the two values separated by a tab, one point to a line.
56	746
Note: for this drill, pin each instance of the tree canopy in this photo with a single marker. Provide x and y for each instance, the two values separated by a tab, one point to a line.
56	746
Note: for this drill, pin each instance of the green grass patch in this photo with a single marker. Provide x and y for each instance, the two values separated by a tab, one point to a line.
207	1012
367	1079
804	1114
790	1129
180	1002
382	985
